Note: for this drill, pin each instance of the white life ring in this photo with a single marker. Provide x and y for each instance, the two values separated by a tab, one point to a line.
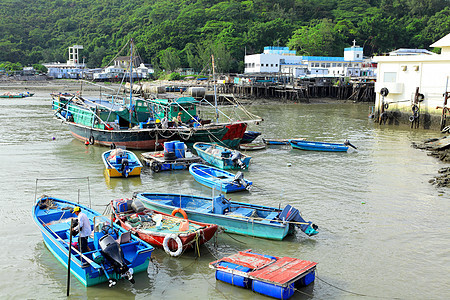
174	237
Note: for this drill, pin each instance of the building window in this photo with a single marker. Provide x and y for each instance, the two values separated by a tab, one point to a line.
390	76
345	65
339	65
253	65
357	55
349	65
257	65
327	65
267	65
271	65
334	65
322	65
276	65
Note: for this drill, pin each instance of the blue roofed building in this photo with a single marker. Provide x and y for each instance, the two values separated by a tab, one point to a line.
284	61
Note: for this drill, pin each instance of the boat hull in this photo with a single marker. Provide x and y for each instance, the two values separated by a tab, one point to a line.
236	225
318	146
153	139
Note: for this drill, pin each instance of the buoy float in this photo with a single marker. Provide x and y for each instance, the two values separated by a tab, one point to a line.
289	164
86	143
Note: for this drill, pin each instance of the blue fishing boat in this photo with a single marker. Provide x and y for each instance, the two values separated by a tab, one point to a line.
121	163
222	157
234	217
219	179
269	275
113	252
321	146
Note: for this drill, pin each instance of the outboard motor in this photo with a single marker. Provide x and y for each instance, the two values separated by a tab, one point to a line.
124	167
112	252
239	180
236	159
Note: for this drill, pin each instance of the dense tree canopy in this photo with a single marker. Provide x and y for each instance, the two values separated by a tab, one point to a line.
184	33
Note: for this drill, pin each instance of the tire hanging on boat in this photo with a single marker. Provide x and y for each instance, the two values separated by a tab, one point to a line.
91	140
174	237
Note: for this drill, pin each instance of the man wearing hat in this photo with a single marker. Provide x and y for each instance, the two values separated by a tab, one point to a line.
84	228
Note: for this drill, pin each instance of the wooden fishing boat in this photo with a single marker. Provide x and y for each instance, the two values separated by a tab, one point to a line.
222	157
249	136
16	95
114	253
252	146
145	124
218	179
121	163
269	275
234	217
320	146
173	234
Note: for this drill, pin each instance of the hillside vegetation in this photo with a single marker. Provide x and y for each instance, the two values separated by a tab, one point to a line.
184	33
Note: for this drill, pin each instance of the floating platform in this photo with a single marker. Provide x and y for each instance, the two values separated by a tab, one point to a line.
157	161
272	276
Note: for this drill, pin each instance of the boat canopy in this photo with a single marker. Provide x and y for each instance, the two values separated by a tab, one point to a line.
171	107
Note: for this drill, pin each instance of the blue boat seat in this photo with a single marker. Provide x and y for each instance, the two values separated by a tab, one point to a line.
205	208
243	211
270	217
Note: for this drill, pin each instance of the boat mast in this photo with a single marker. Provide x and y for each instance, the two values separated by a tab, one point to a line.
215	92
131	79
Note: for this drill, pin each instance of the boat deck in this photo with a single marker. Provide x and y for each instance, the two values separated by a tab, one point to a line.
280	271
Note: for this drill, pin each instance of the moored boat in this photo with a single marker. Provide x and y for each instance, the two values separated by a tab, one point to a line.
16	95
145	124
222	157
321	146
273	276
113	252
121	163
252	146
173	234
218	179
235	217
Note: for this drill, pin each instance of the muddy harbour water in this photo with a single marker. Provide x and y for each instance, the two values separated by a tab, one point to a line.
384	229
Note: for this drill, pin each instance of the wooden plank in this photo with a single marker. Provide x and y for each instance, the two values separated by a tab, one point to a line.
283	271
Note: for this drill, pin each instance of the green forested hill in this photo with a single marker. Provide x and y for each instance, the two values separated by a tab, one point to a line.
172	33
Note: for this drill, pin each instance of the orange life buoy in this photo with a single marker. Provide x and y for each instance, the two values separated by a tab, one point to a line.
179	210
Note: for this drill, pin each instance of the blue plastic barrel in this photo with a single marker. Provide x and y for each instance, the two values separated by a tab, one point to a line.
169	147
179	149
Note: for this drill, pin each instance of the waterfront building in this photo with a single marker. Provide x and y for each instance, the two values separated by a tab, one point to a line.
403	76
285	61
121	68
71	69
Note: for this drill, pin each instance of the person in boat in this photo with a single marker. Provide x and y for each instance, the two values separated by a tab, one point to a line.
177	120
164	122
83	229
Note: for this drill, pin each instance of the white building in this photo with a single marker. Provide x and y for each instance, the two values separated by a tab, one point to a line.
283	60
116	72
71	69
401	75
